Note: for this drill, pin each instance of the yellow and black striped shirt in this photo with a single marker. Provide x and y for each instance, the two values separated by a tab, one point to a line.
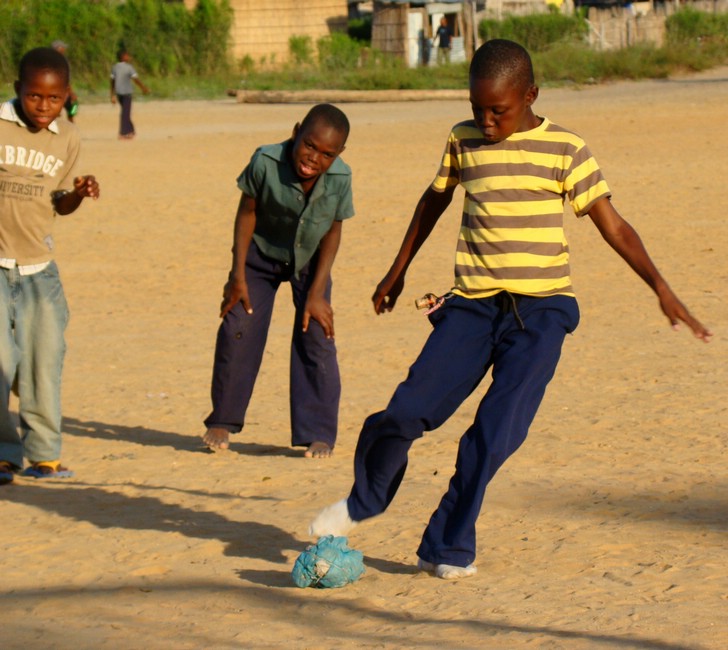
512	235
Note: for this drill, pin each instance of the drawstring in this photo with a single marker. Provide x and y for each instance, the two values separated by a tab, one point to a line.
511	305
506	301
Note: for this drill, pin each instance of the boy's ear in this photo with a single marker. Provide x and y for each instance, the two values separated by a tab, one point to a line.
532	95
17	85
296	129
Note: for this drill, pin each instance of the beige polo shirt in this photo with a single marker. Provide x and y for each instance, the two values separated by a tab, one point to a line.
32	166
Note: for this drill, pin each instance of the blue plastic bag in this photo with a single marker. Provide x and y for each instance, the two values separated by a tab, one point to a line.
328	563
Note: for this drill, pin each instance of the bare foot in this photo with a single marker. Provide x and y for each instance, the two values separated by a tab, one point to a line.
217	439
318	450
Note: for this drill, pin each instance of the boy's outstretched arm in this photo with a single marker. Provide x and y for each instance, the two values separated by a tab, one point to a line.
623	238
429	209
83	186
141	85
236	288
317	307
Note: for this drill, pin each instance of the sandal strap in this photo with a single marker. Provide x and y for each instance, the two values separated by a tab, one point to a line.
50	464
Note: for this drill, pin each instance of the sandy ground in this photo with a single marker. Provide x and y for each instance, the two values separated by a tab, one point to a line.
606	530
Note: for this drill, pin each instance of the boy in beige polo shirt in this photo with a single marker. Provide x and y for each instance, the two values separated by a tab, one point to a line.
38	155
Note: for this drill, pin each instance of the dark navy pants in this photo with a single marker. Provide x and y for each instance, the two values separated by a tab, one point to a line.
126	126
520	338
315	385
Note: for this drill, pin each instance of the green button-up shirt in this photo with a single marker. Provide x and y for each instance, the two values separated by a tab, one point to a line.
289	225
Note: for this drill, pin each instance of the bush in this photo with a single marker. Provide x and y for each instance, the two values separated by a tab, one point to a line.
360	29
691	26
300	49
164	37
338	52
536	32
567	62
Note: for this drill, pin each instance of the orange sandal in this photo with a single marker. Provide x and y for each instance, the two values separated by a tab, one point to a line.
7	472
48	469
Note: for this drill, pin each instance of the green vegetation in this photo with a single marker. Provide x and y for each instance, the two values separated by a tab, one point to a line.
360	29
184	53
538	32
691	26
694	41
174	48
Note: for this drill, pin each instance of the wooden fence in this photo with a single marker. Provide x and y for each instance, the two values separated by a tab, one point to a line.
614	27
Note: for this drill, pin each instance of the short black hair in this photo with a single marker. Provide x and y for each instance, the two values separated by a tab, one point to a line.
44	58
329	114
500	58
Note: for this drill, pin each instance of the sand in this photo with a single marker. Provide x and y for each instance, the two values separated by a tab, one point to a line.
606	530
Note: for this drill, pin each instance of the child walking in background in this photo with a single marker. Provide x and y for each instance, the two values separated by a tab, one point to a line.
122	76
37	181
295	196
510	309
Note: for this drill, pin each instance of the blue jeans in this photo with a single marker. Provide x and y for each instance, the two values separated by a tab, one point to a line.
33	317
520	338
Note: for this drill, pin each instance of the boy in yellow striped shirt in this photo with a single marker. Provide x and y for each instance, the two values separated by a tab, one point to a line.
510	309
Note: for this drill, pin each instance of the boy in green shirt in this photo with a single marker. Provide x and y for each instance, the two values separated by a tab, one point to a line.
295	196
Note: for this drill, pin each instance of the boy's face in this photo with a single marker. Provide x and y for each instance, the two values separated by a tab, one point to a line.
315	148
502	107
41	97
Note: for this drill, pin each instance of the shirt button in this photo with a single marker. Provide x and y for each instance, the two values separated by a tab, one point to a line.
300	198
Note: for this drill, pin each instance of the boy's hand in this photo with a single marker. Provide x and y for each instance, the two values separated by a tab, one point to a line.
235	291
86	186
320	310
387	292
676	312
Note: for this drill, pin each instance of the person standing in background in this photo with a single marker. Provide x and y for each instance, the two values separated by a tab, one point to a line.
122	76
443	36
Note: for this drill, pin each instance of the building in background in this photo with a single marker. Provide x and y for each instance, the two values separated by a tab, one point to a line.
405	28
262	28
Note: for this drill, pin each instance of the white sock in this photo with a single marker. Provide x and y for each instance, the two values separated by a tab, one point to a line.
447	571
332	520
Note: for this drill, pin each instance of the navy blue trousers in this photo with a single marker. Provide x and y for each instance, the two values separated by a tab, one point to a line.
520	338
126	126
315	384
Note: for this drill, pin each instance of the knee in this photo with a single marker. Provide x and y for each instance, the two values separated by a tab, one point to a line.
391	424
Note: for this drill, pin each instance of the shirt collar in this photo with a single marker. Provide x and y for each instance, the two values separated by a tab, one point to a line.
9	113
